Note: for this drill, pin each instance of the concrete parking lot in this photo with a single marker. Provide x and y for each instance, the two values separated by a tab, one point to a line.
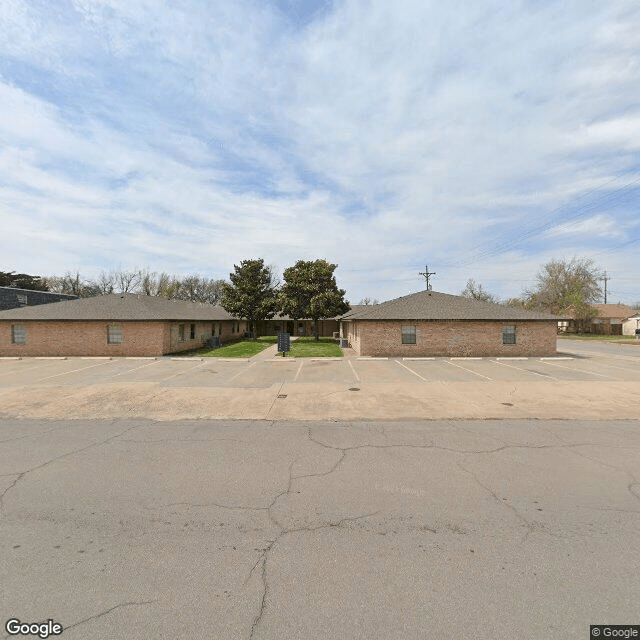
585	380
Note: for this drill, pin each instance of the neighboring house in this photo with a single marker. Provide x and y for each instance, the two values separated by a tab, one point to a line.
610	317
429	323
114	325
630	325
12	298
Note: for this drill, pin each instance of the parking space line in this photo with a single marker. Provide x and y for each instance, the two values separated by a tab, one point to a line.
357	377
591	373
175	375
251	364
535	373
57	375
299	370
411	370
136	368
453	364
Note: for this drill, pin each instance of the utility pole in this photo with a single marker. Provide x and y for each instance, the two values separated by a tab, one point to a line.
426	275
605	286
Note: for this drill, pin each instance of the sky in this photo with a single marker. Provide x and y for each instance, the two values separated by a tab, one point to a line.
482	138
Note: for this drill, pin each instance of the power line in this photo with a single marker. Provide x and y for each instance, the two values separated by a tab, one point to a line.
550	220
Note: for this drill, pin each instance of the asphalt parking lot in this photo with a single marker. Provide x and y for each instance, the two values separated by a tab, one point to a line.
575	362
584	380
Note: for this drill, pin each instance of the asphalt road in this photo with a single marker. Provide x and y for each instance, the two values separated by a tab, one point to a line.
130	528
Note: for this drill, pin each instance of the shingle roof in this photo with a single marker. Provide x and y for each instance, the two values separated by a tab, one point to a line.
614	310
119	307
431	305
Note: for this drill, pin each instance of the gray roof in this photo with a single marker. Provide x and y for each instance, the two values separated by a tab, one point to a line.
118	306
431	305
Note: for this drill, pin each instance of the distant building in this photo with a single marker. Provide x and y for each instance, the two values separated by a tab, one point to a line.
12	298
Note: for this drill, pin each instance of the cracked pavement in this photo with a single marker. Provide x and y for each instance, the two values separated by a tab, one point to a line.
132	528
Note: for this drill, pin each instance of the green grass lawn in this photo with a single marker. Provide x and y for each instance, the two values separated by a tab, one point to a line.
240	349
308	348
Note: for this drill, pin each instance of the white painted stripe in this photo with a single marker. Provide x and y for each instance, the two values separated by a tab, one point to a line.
371	358
411	370
512	358
354	371
175	375
136	368
535	373
57	375
591	373
466	358
299	370
251	364
95	358
453	364
418	358
557	358
11	358
50	358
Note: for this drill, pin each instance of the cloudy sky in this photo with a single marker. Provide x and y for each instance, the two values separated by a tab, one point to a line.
479	137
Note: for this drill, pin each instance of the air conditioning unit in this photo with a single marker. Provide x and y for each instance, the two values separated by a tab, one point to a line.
344	343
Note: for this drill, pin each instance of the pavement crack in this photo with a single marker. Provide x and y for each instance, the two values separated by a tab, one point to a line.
529	525
108	611
22	474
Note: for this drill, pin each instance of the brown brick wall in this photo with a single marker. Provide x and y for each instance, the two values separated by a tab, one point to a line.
89	338
82	338
227	329
466	338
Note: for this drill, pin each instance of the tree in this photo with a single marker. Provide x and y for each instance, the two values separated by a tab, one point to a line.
73	285
251	294
22	281
367	301
566	286
310	291
475	291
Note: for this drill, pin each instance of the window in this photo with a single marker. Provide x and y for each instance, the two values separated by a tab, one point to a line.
509	334
409	335
193	332
18	334
114	334
181	333
22	300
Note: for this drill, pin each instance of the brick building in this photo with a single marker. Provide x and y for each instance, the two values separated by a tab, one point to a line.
12	298
437	324
114	325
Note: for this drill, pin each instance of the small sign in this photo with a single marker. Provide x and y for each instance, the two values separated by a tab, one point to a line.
284	342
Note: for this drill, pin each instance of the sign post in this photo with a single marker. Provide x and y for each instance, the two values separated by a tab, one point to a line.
284	343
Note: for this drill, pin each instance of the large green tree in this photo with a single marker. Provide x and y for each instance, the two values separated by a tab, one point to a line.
252	292
310	291
567	287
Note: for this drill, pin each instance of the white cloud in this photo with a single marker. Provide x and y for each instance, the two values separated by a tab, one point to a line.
380	136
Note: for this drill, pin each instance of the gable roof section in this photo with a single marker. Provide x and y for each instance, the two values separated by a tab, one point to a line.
431	305
117	306
613	310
